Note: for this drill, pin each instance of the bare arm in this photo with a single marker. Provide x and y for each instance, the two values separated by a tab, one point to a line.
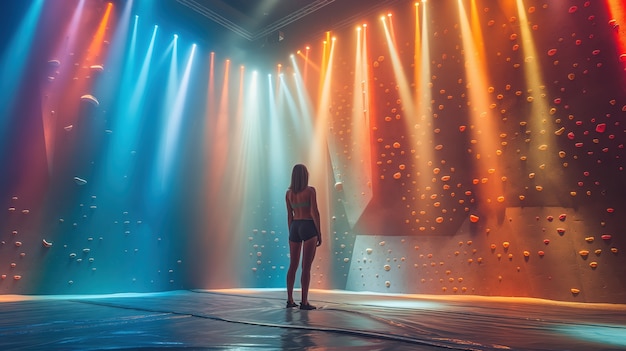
315	214
289	210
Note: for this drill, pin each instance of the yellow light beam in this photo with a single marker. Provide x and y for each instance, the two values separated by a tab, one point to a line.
539	109
406	99
484	134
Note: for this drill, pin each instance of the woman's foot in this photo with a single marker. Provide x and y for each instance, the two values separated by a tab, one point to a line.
307	306
291	304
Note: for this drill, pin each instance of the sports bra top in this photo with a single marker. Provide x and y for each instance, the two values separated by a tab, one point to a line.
301	204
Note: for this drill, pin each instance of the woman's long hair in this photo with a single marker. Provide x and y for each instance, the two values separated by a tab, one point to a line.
299	178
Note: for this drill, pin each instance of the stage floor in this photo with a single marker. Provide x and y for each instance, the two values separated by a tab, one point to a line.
253	319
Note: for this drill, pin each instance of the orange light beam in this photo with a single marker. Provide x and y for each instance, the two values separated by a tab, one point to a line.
540	109
211	91
318	156
417	56
404	88
308	62
484	135
392	31
306	65
423	97
324	65
98	39
617	13
220	137
477	32
218	187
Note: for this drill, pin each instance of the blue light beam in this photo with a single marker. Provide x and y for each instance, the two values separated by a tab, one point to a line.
15	59
171	131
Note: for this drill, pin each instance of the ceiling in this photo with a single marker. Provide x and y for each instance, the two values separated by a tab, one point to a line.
253	19
277	25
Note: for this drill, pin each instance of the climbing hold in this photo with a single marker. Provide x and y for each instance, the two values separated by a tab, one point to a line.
80	181
583	253
90	99
589	239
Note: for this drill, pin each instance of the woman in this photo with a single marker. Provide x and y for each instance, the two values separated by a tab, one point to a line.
305	236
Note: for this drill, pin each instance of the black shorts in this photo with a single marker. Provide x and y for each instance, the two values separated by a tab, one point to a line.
302	230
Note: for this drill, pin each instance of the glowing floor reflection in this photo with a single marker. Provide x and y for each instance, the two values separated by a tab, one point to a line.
245	319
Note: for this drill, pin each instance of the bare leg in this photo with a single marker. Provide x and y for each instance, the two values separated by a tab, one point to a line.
294	260
308	254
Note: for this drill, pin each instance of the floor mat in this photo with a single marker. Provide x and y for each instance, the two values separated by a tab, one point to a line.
256	319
